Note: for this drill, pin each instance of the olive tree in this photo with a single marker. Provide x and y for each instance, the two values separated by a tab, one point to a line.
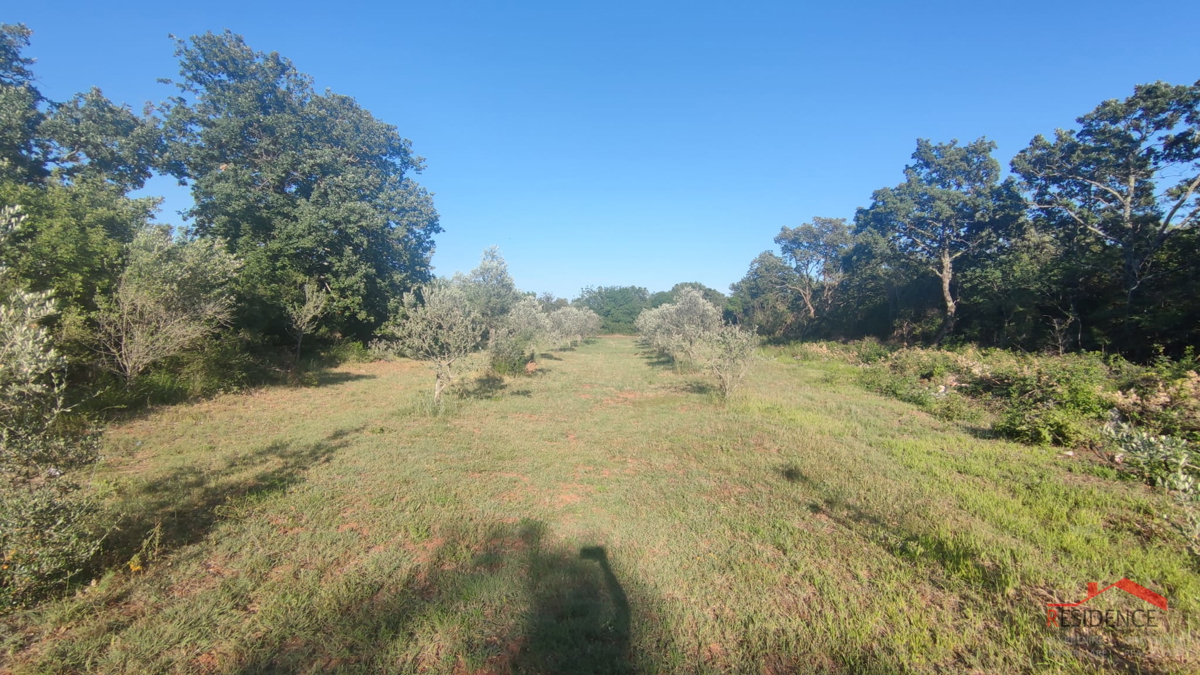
171	295
573	325
490	289
43	538
677	329
303	315
525	330
440	328
728	352
691	328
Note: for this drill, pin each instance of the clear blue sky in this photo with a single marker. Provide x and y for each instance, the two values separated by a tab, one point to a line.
649	143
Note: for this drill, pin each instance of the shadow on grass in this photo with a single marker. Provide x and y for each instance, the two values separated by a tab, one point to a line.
913	536
182	506
483	387
656	360
982	432
549	357
490	386
326	378
504	600
792	473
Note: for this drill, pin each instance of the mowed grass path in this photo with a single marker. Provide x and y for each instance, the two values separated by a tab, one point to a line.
603	515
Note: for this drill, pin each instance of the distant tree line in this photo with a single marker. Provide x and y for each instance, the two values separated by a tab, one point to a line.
1090	244
620	306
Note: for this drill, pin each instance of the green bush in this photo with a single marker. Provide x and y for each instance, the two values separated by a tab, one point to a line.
44	535
931	379
508	356
1037	399
348	351
224	363
45	541
1052	400
1162	461
1041	423
870	350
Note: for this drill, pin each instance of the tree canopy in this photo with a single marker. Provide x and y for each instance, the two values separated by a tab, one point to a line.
302	185
617	306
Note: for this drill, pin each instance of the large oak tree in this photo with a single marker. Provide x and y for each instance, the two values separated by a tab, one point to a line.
303	185
1129	178
951	204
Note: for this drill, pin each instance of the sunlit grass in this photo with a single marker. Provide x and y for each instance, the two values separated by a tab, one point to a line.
603	515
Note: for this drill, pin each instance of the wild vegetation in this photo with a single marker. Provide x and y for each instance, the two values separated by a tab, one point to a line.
603	515
1086	246
222	448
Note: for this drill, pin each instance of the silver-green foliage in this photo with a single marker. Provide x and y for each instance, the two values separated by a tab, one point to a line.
490	289
570	326
679	329
440	328
1163	461
171	295
690	330
43	536
523	332
728	352
1169	463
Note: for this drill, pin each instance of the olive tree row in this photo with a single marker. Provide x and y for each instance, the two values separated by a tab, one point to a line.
677	330
528	329
570	326
690	330
524	332
446	321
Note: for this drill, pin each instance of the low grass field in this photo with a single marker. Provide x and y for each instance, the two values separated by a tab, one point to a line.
605	514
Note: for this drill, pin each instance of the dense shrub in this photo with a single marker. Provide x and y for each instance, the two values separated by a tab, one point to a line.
44	538
171	296
507	354
1164	401
1172	464
1036	399
516	341
1051	400
348	351
1040	423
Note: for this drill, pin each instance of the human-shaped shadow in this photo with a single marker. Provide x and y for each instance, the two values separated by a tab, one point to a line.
581	617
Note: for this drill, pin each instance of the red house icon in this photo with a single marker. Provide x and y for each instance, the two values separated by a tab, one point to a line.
1093	589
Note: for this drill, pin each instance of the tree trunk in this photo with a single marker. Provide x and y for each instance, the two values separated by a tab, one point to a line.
438	386
299	342
947	275
1131	284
